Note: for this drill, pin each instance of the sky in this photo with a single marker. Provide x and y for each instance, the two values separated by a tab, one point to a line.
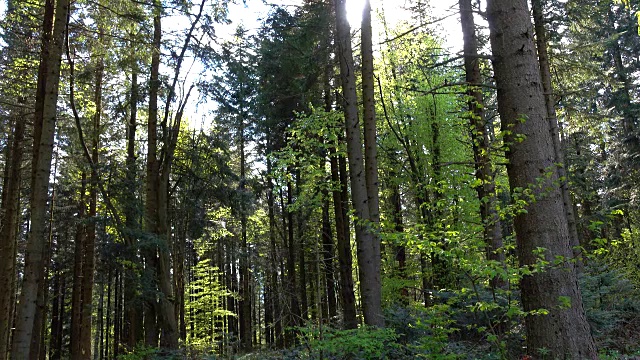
251	11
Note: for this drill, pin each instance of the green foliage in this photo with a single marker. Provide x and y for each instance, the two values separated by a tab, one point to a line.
363	343
205	303
141	352
612	305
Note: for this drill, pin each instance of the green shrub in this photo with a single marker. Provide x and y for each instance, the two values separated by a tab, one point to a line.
612	305
362	343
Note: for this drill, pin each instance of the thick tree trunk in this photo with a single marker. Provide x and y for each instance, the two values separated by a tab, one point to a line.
44	130
152	204
545	75
343	240
564	332
9	233
157	191
369	115
368	244
481	139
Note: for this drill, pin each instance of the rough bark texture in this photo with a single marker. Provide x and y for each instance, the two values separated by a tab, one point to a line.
368	244
9	233
545	75
369	115
43	142
156	219
564	332
152	185
343	240
481	140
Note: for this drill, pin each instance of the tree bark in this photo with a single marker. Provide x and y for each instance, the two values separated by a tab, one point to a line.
369	117
343	239
44	130
157	192
547	88
564	332
368	244
152	204
480	136
9	233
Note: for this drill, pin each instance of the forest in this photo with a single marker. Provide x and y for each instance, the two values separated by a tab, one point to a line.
307	186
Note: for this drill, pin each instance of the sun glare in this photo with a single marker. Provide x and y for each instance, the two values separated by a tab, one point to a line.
354	13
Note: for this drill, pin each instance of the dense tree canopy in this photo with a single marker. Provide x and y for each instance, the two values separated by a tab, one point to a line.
428	183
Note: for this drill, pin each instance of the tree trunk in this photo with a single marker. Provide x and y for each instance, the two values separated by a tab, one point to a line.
114	316
9	234
132	329
369	115
368	244
178	278
277	338
545	75
151	221
492	229
564	332
57	316
107	338
88	244
157	199
302	266
76	294
400	249
44	130
327	260
343	239
245	294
